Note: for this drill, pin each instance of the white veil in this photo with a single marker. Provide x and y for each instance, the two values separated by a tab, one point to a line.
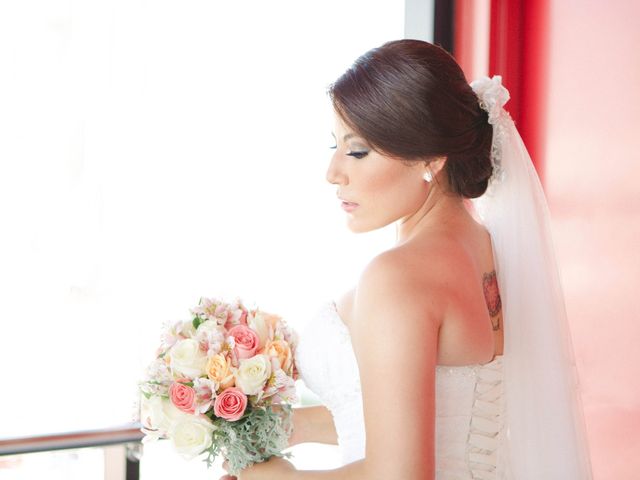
544	424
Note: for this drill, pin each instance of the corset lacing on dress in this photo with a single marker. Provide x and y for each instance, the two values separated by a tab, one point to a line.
469	442
486	422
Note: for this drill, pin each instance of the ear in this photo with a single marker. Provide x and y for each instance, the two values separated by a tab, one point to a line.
437	165
434	166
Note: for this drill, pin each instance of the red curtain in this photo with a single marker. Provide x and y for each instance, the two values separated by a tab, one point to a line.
518	49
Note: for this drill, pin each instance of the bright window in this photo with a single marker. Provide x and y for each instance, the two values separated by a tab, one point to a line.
152	152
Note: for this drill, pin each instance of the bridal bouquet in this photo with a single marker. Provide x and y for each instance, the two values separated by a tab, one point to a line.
222	383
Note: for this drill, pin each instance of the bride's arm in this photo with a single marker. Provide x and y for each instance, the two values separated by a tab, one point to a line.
395	335
313	424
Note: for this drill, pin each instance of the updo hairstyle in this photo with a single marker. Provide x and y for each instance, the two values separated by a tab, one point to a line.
410	100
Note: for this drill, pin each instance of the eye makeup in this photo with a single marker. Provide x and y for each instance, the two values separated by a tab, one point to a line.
360	154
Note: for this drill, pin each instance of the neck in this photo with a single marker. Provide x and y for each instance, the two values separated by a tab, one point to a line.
438	210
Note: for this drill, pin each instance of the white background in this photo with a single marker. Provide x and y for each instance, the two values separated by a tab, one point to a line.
153	152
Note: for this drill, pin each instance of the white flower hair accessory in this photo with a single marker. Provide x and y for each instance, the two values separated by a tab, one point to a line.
492	96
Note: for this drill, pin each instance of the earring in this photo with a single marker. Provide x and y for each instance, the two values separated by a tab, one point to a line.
428	176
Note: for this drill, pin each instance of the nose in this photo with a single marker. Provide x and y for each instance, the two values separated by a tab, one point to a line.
335	172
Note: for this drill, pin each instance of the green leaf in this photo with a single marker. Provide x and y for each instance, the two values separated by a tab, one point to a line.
257	436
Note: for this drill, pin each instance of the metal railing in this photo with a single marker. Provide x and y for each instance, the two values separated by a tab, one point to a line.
128	435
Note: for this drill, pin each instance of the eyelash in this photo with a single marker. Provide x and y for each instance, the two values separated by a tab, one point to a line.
357	155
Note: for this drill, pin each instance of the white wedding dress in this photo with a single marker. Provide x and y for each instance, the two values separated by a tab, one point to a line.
469	401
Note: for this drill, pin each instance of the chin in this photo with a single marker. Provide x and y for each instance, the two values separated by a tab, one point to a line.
361	227
357	230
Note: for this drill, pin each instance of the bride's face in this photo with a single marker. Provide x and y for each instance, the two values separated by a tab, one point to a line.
382	188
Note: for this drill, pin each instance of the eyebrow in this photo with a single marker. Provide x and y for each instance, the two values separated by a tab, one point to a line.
346	137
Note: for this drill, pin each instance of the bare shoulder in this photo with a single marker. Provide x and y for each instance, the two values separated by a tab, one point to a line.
394	282
395	337
427	276
434	263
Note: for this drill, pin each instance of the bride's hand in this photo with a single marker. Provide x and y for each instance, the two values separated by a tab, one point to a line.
276	468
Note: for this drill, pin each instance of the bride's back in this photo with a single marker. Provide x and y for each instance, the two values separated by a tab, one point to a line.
460	256
468	407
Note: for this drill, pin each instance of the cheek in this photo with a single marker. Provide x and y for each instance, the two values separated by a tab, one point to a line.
395	188
380	183
387	194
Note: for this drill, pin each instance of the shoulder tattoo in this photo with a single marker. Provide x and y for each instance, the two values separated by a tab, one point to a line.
492	296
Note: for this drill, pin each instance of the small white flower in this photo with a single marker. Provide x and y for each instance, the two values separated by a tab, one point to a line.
282	387
211	335
211	309
235	313
205	394
157	379
174	332
159	371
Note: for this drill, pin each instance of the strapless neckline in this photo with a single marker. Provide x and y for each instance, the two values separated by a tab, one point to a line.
468	400
345	329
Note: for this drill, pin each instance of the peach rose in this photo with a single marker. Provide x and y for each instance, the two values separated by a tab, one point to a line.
246	341
230	404
183	397
280	349
219	371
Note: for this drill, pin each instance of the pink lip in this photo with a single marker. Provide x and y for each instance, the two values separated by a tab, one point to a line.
349	207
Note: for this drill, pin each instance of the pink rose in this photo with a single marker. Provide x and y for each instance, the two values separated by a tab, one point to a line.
230	404
183	397
247	341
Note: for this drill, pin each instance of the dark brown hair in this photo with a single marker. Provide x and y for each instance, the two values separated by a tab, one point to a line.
410	99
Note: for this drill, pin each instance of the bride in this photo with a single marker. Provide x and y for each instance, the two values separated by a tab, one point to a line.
451	358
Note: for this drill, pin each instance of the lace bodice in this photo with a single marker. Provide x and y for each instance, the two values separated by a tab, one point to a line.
469	407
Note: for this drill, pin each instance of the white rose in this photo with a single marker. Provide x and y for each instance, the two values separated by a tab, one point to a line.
186	358
253	373
191	435
157	416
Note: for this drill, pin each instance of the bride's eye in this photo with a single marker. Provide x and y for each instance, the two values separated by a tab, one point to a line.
361	154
